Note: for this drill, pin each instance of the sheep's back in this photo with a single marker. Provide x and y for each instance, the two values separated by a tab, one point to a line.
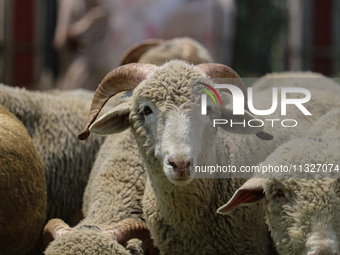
22	188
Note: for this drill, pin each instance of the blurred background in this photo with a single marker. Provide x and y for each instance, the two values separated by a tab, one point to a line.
70	44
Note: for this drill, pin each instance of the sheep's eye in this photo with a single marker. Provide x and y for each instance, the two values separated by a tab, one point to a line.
278	193
146	110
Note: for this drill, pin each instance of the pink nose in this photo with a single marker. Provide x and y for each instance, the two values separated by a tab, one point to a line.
179	166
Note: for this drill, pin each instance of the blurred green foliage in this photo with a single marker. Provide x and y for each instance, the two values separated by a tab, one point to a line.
258	41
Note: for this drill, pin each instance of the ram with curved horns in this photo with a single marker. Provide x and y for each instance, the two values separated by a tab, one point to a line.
179	207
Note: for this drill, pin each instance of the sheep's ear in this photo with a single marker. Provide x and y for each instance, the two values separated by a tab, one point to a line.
114	121
250	192
239	123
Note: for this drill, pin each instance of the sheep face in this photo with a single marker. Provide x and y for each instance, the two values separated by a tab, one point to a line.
170	136
161	122
302	214
160	115
170	152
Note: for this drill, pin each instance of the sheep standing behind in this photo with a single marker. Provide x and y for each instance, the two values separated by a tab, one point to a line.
158	52
178	207
114	193
22	188
302	206
308	80
52	120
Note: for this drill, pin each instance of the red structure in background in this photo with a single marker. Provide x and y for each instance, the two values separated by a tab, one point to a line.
23	50
322	27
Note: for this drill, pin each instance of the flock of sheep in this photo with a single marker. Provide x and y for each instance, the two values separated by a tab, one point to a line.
134	191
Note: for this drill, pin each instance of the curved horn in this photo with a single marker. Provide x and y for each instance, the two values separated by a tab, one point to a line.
131	228
221	71
133	54
123	78
54	229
